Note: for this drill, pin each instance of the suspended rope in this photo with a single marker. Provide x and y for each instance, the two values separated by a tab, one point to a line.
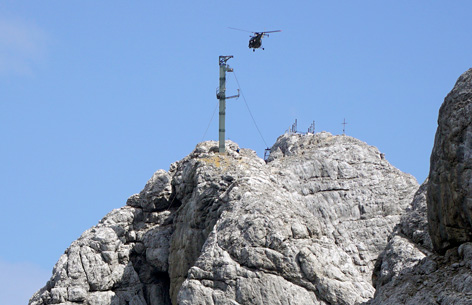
247	106
214	110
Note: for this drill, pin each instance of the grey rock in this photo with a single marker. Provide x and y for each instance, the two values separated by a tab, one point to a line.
102	267
76	294
102	297
156	193
304	228
58	295
408	244
431	280
465	252
408	271
450	190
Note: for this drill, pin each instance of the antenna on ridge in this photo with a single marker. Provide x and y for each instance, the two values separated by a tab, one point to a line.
293	128
221	95
311	129
344	126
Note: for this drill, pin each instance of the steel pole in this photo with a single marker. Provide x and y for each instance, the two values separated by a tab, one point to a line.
222	98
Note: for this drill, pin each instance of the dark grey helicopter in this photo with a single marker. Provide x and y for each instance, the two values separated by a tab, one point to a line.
256	41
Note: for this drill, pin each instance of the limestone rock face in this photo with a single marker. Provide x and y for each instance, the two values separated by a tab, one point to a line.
450	186
122	260
304	228
433	279
409	272
436	268
408	244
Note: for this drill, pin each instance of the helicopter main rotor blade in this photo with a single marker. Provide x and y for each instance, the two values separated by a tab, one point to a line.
241	30
272	31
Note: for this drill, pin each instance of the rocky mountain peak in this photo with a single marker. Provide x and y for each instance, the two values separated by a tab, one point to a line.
291	144
325	220
303	228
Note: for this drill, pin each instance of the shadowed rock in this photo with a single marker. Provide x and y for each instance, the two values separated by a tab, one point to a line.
450	176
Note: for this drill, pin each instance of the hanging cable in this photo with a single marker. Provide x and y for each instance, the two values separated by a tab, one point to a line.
247	106
214	111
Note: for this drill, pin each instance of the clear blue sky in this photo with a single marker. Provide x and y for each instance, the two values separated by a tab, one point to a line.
97	95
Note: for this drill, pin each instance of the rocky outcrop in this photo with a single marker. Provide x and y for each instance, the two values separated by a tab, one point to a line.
122	260
427	279
408	272
409	243
450	187
418	267
304	228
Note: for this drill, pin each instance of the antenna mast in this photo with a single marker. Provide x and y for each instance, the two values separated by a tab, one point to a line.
221	95
311	129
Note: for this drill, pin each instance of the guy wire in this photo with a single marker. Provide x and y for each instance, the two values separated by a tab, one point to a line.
216	106
247	106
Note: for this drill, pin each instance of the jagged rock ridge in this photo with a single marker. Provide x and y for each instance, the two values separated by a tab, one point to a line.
305	228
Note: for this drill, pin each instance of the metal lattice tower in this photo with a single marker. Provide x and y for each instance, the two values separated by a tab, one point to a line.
221	96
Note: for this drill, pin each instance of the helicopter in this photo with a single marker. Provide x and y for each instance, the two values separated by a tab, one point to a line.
256	41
